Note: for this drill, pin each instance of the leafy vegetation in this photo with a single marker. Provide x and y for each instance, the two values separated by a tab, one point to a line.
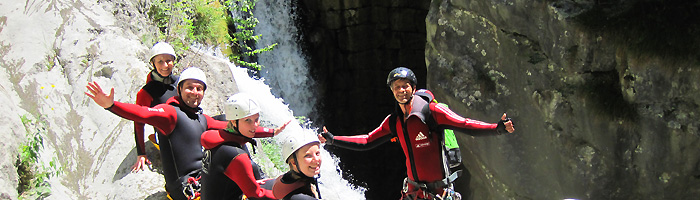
33	175
272	150
244	38
209	22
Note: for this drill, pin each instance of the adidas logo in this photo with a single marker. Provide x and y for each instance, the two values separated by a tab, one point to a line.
421	136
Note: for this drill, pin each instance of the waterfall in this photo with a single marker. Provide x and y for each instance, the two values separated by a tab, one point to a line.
286	89
275	111
286	69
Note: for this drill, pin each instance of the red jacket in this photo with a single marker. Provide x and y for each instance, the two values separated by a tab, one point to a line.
421	147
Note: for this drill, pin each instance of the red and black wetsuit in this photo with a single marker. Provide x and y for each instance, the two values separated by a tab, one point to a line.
295	186
180	127
421	147
156	91
228	171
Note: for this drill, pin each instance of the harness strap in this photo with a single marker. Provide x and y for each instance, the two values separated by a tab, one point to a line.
191	188
444	183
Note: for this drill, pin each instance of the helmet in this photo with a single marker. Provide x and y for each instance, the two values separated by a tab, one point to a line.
293	143
401	72
162	48
240	105
192	73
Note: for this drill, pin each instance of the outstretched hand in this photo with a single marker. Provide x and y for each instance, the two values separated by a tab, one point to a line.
320	136
281	128
97	95
509	124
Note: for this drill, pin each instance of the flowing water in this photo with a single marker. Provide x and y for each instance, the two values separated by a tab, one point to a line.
275	111
286	68
286	75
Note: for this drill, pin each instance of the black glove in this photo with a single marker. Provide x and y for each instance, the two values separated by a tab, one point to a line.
501	128
328	136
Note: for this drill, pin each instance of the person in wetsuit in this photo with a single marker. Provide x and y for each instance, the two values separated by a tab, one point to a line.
426	167
228	171
180	123
160	86
303	154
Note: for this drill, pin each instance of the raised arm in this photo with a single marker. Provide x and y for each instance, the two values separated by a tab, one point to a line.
447	118
378	136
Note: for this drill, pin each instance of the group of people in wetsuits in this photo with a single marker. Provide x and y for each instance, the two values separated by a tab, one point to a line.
207	158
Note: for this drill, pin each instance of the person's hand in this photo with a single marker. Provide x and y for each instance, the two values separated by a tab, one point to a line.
508	123
320	136
97	95
141	164
263	181
281	128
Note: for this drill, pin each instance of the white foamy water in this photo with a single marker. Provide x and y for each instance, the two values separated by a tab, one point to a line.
275	111
286	68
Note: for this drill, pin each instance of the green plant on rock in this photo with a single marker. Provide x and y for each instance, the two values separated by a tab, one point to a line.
272	150
209	22
243	32
33	176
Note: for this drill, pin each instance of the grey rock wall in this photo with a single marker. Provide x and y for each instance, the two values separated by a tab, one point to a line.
49	50
603	95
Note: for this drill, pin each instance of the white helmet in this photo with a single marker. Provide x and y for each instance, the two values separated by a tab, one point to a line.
192	73
291	144
161	48
240	105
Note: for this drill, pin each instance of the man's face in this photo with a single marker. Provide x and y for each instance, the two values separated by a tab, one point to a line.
402	90
164	64
192	92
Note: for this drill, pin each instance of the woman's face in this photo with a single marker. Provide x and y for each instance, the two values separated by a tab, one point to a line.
309	158
164	64
248	125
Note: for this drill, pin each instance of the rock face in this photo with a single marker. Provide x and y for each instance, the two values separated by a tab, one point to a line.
49	51
603	96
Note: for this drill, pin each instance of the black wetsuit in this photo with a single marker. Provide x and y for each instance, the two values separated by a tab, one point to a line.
228	168
157	90
304	185
180	128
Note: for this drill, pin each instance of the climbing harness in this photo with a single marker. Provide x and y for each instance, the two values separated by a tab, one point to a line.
431	191
192	187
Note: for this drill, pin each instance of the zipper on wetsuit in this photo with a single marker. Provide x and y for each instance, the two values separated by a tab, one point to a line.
409	149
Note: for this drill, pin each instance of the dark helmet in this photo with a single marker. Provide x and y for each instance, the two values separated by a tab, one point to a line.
401	72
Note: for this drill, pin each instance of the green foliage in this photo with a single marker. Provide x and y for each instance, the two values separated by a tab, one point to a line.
272	150
33	176
174	22
244	37
208	22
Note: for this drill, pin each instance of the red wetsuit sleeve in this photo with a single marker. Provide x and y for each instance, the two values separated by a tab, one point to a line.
445	116
142	99
213	124
240	170
378	136
161	116
262	132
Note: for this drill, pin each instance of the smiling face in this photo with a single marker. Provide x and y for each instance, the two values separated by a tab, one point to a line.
309	158
163	64
192	92
248	125
402	90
